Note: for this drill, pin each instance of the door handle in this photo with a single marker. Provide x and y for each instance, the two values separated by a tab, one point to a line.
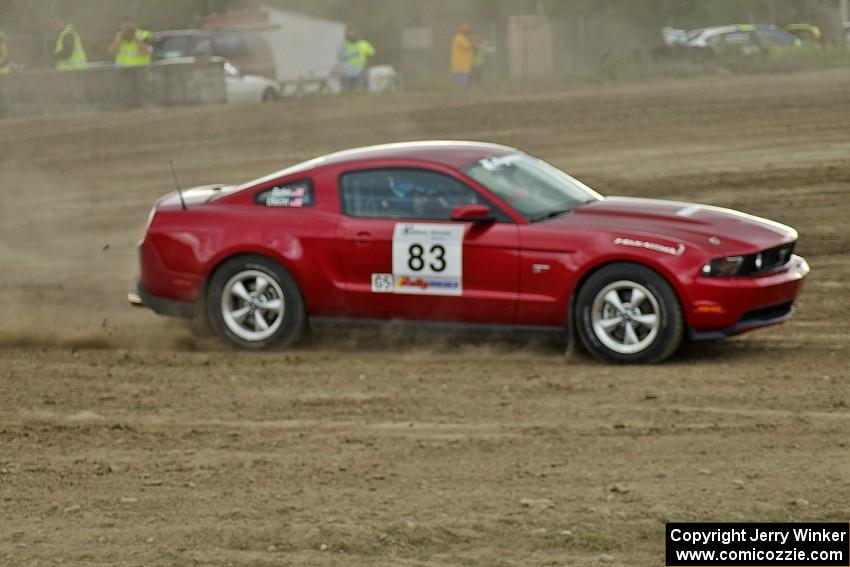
363	238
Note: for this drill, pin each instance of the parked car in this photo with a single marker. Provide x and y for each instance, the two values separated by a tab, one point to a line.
242	89
382	78
247	50
239	88
251	55
462	233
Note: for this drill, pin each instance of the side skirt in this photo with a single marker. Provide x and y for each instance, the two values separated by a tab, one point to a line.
439	326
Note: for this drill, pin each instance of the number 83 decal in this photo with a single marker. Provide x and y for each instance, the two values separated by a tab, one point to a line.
436	258
427	259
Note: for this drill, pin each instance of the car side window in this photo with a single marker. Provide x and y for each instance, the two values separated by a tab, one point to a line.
774	38
738	38
294	195
229	46
202	47
169	47
406	194
715	41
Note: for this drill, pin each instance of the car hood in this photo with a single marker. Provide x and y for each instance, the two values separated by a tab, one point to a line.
718	229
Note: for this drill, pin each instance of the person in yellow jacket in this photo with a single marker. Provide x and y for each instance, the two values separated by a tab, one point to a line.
5	62
68	51
353	57
462	55
131	45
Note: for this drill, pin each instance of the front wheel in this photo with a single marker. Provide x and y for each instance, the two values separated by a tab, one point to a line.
629	313
255	303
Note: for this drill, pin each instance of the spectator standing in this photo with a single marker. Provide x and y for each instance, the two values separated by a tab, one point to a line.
482	49
68	51
462	55
131	45
353	57
5	62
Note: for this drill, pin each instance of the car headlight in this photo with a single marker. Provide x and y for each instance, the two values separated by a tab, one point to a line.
723	267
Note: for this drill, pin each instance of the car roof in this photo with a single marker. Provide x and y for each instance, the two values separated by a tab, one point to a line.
718	30
453	154
712	31
179	33
449	153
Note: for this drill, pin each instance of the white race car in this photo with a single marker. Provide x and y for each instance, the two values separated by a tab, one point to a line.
745	39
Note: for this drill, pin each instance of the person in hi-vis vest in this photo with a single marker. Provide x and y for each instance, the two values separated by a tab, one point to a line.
131	45
68	52
5	61
353	57
462	55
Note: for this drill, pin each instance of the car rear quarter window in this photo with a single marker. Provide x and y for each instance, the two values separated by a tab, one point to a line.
406	194
293	195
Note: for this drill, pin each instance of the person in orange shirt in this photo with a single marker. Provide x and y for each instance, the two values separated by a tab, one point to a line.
462	55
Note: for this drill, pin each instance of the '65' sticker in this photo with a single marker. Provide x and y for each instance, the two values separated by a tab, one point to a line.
427	259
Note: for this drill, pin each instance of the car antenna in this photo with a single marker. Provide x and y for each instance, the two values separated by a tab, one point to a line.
177	182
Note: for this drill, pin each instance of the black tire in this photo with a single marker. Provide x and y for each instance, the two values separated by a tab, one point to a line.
293	318
269	95
656	341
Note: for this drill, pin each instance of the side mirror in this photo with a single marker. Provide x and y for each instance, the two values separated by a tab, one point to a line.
472	213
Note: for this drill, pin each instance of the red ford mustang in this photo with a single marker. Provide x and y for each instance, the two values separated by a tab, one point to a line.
464	234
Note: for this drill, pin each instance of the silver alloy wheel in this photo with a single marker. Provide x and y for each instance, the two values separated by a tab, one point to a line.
626	317
252	305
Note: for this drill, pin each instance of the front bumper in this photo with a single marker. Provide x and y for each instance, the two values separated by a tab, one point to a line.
720	307
160	305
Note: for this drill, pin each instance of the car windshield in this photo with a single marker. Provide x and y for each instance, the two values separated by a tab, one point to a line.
171	47
531	186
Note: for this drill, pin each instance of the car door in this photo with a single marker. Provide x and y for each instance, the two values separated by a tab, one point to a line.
403	257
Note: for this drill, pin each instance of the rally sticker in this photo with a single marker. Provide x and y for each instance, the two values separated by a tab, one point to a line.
427	259
383	283
290	196
499	162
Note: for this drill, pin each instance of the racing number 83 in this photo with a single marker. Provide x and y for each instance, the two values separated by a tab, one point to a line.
436	258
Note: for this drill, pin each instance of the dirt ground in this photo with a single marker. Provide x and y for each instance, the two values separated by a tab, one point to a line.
124	441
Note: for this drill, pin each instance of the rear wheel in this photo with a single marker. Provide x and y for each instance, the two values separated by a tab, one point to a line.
269	95
629	313
255	303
